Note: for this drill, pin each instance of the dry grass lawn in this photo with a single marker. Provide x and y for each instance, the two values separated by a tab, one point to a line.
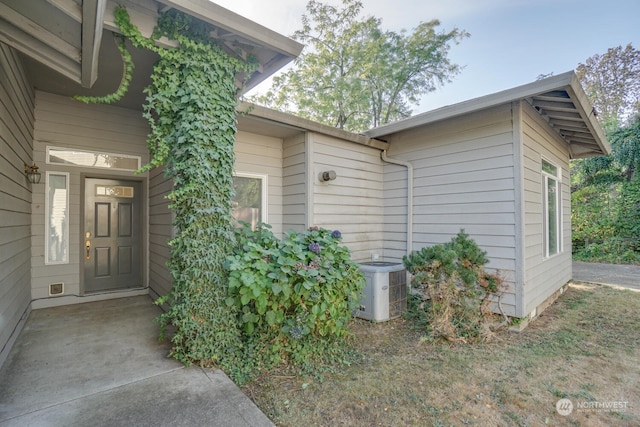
585	347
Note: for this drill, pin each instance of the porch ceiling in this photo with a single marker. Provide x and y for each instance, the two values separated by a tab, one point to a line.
69	49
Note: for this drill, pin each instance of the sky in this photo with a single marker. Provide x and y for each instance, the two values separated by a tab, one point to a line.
512	42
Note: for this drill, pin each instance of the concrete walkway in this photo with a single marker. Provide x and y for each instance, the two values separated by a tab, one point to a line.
100	364
626	276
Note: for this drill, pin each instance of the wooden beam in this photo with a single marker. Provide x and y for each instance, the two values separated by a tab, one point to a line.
92	21
555	106
553	96
583	141
568	124
39	51
139	17
563	115
69	8
34	30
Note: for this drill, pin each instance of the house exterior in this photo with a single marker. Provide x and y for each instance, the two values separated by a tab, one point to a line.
54	235
497	166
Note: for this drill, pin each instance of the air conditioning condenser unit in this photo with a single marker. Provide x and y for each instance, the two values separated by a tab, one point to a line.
385	291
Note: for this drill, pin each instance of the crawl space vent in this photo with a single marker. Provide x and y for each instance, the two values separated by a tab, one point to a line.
56	289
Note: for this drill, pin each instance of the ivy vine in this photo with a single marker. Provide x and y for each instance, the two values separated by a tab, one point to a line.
127	74
191	108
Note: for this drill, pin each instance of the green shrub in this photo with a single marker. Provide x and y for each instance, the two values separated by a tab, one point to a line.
459	290
605	221
294	295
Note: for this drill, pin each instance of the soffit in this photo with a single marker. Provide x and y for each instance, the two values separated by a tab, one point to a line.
560	100
68	46
563	113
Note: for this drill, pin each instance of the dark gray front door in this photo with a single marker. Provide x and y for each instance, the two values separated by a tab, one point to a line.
112	235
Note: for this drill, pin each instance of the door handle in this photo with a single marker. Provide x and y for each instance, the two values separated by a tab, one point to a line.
87	246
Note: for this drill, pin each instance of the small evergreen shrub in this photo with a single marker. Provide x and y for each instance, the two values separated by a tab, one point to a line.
295	295
460	291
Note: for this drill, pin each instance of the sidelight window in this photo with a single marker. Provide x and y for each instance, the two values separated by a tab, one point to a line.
57	225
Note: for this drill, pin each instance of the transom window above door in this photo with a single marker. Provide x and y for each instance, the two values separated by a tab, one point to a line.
92	159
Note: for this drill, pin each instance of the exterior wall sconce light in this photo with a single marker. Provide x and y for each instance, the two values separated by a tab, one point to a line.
32	173
327	176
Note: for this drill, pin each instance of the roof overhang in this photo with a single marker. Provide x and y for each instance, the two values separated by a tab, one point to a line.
560	101
266	121
68	37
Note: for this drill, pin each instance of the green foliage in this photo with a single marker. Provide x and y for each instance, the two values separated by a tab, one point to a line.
460	291
628	221
354	75
191	108
123	87
612	83
605	202
593	213
625	144
294	297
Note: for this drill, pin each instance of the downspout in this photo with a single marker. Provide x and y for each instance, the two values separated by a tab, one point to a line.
409	166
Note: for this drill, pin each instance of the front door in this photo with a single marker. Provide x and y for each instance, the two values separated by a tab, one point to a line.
112	248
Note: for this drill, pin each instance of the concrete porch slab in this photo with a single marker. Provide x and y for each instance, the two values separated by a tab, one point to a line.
100	363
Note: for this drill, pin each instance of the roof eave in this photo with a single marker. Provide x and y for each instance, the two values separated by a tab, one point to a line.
306	125
475	104
588	113
230	21
567	81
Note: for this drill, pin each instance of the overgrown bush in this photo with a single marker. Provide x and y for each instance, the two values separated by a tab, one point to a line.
460	291
294	295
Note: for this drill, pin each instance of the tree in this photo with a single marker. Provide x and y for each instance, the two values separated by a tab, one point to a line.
612	82
625	143
354	75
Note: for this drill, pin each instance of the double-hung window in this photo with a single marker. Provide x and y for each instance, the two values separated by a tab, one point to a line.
552	209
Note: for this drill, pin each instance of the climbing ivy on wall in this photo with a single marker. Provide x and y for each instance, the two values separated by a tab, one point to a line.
191	108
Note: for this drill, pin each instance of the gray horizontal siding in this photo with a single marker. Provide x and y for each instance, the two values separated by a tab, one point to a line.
16	148
65	123
463	179
294	184
263	155
543	276
354	201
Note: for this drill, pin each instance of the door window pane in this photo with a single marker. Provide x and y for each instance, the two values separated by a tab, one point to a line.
57	226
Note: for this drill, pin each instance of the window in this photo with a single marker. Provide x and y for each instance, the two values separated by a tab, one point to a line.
552	209
250	200
92	159
57	227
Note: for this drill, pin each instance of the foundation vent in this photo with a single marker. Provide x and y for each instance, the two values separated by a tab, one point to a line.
56	289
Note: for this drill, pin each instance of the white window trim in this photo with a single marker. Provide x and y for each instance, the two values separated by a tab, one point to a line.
128	156
545	207
264	209
47	227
